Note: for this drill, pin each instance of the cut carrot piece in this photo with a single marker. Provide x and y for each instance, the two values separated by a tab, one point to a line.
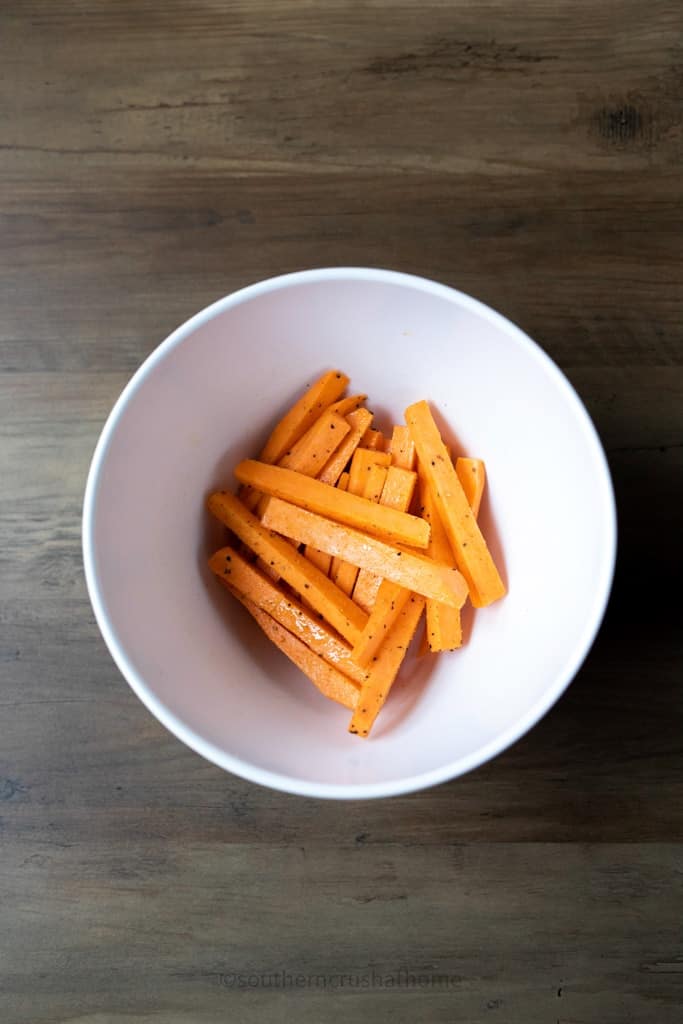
247	583
294	424
472	476
334	606
444	629
464	536
407	568
399	488
389	604
346	405
373	439
402	448
361	464
320	558
359	420
370	486
324	677
313	450
392	526
384	670
397	493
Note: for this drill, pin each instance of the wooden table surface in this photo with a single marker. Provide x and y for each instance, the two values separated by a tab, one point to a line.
154	157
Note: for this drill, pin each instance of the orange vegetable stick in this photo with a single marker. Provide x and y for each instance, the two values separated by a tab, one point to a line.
397	493
327	679
360	420
464	536
346	405
407	568
294	424
392	526
389	604
248	584
335	607
361	464
444	629
373	439
320	558
402	448
472	476
384	670
370	486
312	451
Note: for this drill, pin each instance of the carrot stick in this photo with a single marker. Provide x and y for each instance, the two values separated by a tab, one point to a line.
444	629
361	464
389	604
328	680
326	390
320	558
402	448
407	568
397	493
464	536
369	481
248	584
335	607
359	420
346	405
384	522
384	670
373	439
312	451
472	476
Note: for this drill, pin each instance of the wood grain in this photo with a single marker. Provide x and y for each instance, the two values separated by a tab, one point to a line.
154	157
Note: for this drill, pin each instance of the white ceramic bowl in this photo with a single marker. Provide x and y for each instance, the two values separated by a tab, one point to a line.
207	397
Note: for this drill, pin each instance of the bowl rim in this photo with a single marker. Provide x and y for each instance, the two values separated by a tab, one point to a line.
277	780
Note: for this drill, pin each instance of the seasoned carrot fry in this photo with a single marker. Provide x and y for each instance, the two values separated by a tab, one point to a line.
370	486
360	420
303	414
335	607
402	448
407	568
397	493
399	488
320	558
444	629
389	604
373	439
384	522
472	476
469	547
327	679
346	405
248	584
312	451
294	424
384	670
361	464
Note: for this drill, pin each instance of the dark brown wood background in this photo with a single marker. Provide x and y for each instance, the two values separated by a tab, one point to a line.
155	156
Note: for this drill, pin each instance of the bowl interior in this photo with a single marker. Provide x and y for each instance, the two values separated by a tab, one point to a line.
207	397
